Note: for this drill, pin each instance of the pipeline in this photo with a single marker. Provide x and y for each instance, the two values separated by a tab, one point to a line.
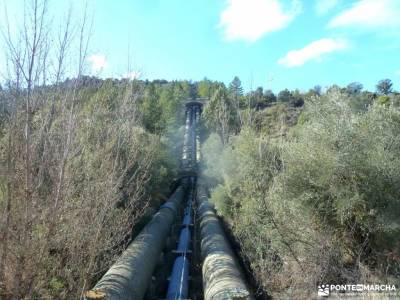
185	153
198	152
178	287
129	277
222	277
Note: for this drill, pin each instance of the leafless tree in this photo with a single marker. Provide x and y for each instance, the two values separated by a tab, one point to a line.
75	180
28	53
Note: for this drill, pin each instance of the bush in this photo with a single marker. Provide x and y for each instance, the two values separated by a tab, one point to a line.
94	170
383	100
354	143
320	206
342	170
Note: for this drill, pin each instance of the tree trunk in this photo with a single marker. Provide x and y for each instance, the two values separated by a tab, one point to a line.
4	250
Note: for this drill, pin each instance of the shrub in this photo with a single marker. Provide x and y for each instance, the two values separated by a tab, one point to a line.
383	100
342	169
320	206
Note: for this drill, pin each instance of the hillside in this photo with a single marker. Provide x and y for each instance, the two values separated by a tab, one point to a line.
310	188
281	184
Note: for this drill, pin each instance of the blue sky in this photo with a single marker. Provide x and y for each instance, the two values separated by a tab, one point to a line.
270	43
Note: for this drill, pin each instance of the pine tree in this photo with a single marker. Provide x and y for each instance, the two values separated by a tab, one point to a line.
235	88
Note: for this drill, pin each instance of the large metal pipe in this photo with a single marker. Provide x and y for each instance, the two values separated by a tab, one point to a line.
198	151
187	220
186	139
222	277
130	276
184	241
193	109
194	144
178	288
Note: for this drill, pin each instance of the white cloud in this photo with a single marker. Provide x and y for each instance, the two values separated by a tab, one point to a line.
369	14
98	61
397	72
324	6
249	20
312	51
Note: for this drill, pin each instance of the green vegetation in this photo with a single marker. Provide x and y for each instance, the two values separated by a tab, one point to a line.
309	191
312	194
97	171
308	183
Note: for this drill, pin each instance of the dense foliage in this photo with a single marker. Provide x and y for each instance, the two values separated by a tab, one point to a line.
101	162
308	183
312	194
